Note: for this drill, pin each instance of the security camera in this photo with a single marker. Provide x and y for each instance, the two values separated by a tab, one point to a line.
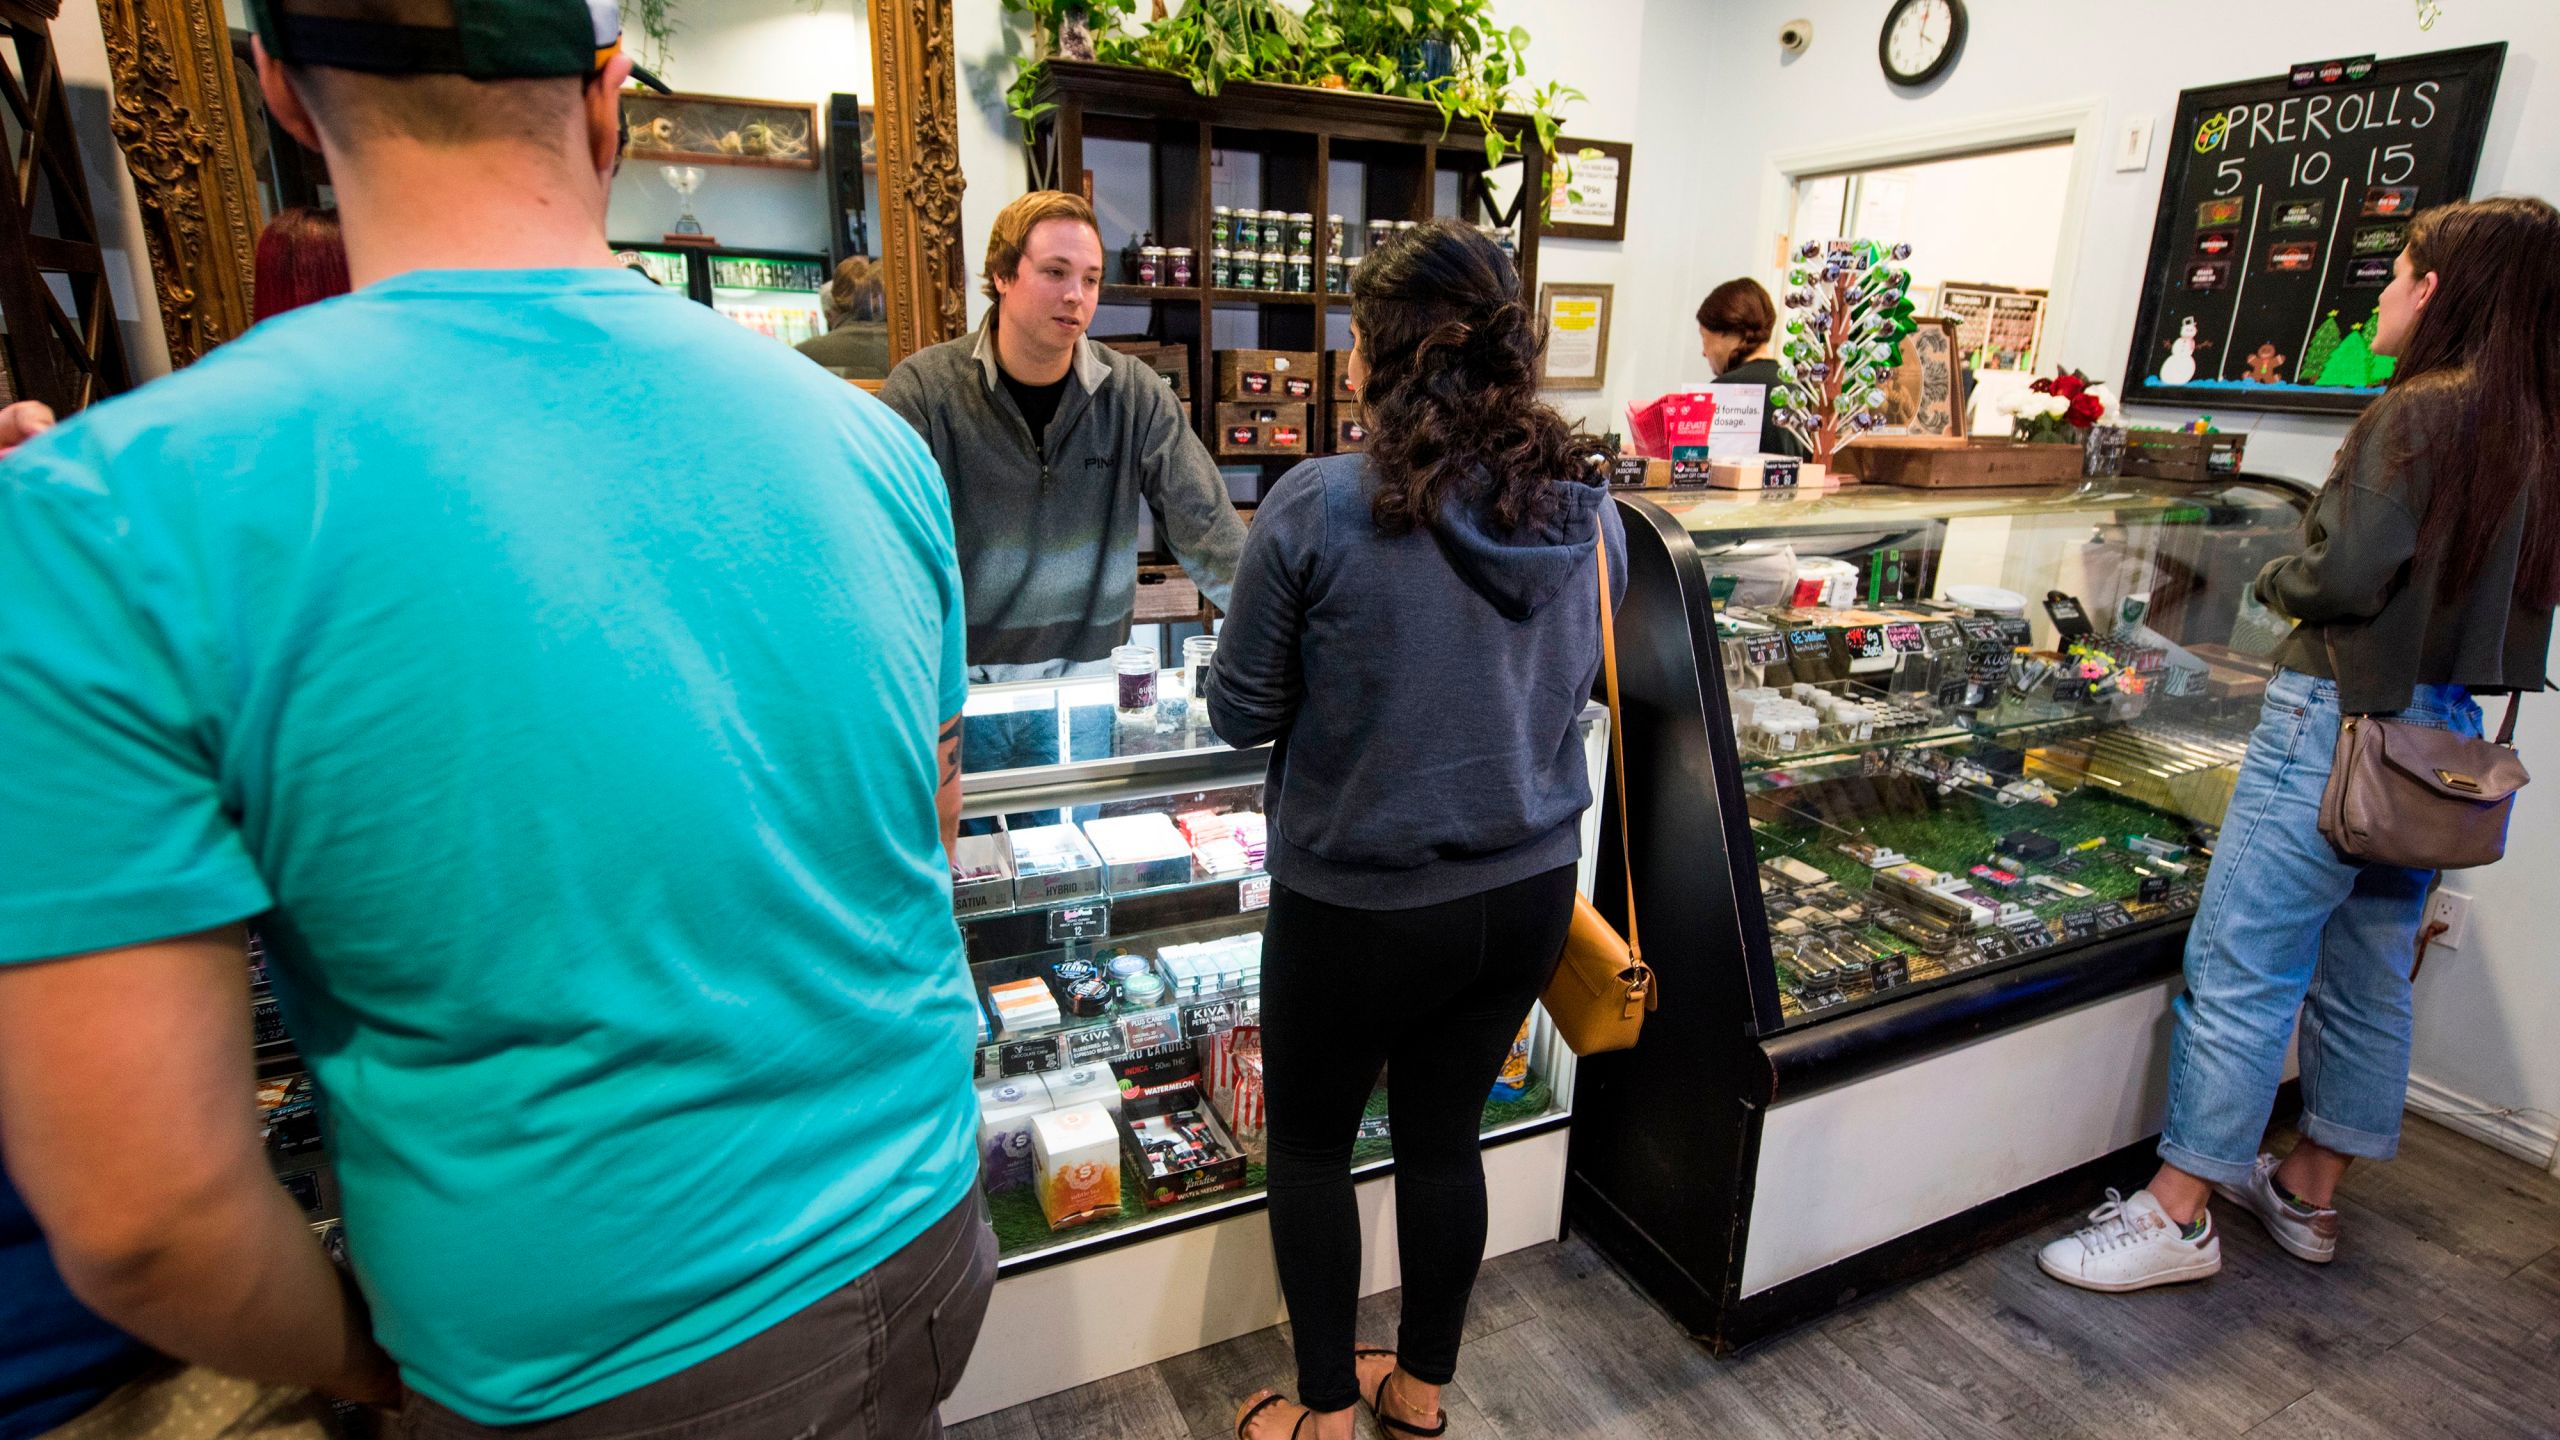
1796	36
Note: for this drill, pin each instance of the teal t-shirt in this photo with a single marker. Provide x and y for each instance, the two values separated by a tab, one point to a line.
558	666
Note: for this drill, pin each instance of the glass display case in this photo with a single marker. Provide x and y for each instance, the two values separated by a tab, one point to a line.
1911	772
1109	885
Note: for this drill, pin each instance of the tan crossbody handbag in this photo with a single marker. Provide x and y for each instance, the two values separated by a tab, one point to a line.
1602	988
2411	795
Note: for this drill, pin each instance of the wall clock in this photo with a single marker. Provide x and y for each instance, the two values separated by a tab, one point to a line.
1921	40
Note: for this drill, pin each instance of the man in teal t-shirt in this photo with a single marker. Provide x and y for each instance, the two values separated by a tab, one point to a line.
569	678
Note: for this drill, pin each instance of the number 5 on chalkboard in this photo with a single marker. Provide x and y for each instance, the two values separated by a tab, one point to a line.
2401	155
2227	177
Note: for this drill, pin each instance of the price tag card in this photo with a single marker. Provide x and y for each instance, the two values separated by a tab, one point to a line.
1764	650
1079	922
1866	642
1253	893
1024	1057
1373	1127
1995	948
1208	1018
2080	925
1903	637
2112	916
1101	1042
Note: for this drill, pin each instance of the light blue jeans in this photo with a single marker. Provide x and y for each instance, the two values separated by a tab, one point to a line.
2286	926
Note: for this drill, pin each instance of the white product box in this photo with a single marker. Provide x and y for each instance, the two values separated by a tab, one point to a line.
1006	1109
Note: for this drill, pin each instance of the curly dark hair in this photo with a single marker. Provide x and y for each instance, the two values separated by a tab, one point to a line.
1451	397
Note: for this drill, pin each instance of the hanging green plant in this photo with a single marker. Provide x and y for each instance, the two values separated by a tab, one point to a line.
1452	54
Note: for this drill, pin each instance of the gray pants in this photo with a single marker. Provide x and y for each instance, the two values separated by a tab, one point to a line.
873	1361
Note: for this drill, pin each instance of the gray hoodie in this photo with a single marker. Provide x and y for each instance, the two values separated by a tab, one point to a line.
1048	536
1423	691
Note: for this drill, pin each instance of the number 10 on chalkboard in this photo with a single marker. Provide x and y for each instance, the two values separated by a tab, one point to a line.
2279	218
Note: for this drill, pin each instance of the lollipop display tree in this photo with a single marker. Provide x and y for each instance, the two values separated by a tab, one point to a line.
1850	306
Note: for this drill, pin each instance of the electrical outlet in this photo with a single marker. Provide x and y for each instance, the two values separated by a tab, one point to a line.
2451	909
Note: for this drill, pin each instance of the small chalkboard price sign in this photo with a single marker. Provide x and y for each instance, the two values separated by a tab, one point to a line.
2285	201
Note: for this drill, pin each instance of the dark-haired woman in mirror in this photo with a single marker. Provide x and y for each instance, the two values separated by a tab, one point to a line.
1416	630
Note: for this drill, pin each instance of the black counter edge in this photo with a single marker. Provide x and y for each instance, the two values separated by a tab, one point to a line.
1825	1054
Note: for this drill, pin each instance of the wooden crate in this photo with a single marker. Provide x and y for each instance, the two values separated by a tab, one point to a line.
1337	377
2183	455
1173	362
1344	430
1259	375
1263	427
1943	462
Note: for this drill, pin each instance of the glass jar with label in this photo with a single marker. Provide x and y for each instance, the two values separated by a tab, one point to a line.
1380	232
1302	272
1134	667
1275	269
1275	230
1222	269
1337	274
1333	234
1302	230
1177	266
1151	265
1222	227
1245	273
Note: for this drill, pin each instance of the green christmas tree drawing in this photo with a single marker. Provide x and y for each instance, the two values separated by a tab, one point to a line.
2350	365
2316	354
2379	369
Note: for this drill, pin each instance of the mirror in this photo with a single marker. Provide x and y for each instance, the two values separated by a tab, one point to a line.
209	169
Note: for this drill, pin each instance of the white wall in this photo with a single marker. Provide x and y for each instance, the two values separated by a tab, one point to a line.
1987	219
757	50
2131	59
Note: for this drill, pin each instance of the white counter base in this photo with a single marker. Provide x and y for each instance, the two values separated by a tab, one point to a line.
1073	1323
1847	1169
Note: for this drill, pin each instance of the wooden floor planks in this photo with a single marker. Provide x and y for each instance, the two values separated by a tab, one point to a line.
2439	1321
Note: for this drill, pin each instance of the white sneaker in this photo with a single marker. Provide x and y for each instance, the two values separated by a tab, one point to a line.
2130	1243
2305	1234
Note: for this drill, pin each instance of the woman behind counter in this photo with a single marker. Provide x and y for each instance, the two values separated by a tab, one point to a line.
2430	565
1735	322
1416	630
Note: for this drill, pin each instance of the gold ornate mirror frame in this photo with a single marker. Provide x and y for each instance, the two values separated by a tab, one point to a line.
180	119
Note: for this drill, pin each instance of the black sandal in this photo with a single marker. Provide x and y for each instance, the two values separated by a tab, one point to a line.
1266	1402
1378	1406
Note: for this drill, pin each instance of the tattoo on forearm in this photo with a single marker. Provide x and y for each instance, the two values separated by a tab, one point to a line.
951	750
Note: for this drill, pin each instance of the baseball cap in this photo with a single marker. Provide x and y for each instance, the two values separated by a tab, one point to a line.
481	39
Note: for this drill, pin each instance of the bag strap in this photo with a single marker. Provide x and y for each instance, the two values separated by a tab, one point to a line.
1617	735
2506	728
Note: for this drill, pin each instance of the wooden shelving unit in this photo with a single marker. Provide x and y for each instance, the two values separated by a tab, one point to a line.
1365	157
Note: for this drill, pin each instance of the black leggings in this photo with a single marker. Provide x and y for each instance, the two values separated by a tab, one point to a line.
1435	995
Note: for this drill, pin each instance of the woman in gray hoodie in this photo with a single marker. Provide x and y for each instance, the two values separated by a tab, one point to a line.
1416	631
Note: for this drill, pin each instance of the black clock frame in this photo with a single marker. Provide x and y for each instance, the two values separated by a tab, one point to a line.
1946	58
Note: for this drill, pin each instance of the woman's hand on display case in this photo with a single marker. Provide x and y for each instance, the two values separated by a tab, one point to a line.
23	422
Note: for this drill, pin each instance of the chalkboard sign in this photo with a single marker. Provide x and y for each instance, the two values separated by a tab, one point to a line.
2284	203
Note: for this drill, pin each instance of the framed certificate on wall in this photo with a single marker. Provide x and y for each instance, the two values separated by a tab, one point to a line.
1576	319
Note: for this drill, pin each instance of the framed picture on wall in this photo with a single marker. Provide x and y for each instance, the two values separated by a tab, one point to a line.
1925	393
1576	319
1588	195
720	130
1998	327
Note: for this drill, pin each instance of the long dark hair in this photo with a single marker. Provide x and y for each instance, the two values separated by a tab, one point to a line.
2477	389
1452	391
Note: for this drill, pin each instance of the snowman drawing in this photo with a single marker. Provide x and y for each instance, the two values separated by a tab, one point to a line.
2180	367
